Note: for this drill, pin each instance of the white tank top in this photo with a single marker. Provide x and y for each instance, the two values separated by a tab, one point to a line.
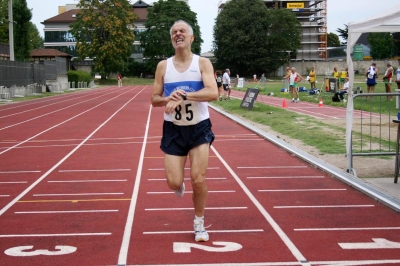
292	78
190	112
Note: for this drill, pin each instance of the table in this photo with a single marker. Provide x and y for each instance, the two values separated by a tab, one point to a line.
396	171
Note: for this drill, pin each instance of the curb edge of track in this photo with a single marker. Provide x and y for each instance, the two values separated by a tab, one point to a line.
337	173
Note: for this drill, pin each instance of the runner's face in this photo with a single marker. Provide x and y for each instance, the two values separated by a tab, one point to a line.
180	36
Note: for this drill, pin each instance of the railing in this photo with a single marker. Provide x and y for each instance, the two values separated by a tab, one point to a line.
375	134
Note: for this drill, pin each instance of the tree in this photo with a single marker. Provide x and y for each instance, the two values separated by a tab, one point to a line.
4	22
344	33
104	32
250	38
35	38
333	40
156	40
382	45
396	37
22	16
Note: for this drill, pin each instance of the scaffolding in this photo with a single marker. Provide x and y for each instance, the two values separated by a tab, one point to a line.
312	15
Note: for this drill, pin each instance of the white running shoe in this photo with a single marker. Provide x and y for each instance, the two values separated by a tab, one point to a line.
200	233
297	101
179	192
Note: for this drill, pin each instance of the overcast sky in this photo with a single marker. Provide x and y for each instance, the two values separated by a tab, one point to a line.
339	12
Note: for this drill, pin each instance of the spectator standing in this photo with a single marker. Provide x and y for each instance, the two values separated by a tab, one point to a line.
398	75
343	76
255	77
218	77
335	74
294	78
387	79
226	83
313	78
372	75
183	85
119	80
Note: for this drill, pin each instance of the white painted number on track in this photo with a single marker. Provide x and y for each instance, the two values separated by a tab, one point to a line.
26	251
181	247
379	243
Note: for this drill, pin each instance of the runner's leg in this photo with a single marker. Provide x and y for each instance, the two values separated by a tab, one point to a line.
174	169
199	162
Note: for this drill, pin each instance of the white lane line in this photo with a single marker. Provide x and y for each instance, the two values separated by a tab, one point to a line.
186	191
188	178
55	212
347	229
233	139
324	206
282	177
65	121
186	168
42	106
271	167
123	252
354	262
15	200
4	196
300	190
77	194
190	209
54	235
71	140
37	117
95	170
291	246
14	182
88	181
19	172
73	144
210	231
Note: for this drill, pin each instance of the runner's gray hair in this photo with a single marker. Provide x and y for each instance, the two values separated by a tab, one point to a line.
182	21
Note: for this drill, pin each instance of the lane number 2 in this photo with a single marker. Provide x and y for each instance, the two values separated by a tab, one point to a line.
181	247
27	251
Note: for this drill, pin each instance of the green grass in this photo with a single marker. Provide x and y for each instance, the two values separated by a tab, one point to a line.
327	139
376	104
39	96
126	81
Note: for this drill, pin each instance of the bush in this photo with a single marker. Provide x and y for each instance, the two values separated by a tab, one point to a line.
78	76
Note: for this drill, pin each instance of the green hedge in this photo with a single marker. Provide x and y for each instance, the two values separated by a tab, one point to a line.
78	76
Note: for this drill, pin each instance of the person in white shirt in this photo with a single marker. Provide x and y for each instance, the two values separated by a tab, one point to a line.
226	84
294	78
397	79
343	90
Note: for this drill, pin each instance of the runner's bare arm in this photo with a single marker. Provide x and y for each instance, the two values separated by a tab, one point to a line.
210	90
157	98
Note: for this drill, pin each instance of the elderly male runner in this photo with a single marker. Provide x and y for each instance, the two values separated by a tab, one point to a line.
184	84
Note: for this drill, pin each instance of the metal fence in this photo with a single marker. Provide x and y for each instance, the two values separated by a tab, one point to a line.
373	133
23	74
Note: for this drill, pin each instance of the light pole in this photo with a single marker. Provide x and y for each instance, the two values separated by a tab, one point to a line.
11	29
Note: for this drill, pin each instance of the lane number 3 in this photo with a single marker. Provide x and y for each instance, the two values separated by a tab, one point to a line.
27	251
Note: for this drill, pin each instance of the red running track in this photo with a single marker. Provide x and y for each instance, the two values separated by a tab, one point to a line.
85	185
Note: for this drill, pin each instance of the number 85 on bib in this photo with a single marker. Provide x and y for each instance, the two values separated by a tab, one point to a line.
186	114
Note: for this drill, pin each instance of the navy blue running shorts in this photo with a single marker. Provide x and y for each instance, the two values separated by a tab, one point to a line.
179	140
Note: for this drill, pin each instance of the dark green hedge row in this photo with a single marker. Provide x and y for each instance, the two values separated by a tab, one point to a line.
78	76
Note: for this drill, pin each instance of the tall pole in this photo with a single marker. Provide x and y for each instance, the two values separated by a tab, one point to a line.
11	29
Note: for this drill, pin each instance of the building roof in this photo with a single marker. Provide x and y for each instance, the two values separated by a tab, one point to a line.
66	17
140	3
70	16
48	53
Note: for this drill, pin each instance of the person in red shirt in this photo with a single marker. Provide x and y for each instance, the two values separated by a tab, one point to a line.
119	80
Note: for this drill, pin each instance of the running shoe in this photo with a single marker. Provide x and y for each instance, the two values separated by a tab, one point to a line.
297	101
179	192
293	101
200	233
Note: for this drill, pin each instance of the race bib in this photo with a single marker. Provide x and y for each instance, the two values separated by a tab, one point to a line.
186	114
370	76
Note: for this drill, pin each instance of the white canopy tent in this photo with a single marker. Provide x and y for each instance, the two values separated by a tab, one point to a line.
388	21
